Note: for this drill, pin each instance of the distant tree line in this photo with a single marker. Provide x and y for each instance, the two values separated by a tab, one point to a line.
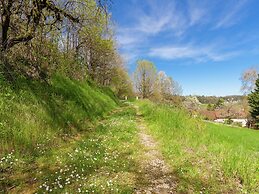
39	38
214	99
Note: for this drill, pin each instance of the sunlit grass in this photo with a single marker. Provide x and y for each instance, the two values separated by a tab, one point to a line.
36	117
35	114
206	158
102	161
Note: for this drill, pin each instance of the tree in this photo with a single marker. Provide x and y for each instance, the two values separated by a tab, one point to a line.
21	19
166	86
121	83
192	103
145	78
248	79
176	88
219	103
45	21
253	100
210	107
39	38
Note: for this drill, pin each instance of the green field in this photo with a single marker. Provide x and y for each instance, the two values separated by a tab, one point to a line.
205	157
70	136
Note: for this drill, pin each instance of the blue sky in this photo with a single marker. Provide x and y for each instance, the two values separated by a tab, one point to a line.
204	45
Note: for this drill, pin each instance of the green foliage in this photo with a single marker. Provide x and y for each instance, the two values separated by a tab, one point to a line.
145	76
228	121
253	99
219	103
121	83
210	107
49	40
214	99
34	112
237	124
205	158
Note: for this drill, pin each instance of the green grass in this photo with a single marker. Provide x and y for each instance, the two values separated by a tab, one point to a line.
205	158
66	137
34	113
101	161
36	117
70	136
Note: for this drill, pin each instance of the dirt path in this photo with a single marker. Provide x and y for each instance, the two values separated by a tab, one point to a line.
156	174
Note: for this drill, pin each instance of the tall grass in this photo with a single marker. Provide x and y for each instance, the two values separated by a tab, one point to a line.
104	160
206	158
36	115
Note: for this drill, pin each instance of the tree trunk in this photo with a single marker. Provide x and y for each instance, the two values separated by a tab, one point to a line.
7	68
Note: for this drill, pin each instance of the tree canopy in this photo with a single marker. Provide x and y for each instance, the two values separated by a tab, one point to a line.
40	38
248	79
253	99
154	85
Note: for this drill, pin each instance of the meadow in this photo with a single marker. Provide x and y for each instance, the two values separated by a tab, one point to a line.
38	118
205	157
71	136
102	160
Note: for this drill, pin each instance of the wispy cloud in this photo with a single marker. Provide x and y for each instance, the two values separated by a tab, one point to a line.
232	14
156	17
152	22
127	37
197	53
197	12
148	23
130	56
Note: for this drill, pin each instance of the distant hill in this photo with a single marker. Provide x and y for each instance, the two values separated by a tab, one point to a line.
214	99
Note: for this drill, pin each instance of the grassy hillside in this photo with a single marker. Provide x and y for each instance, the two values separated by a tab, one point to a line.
36	115
102	160
70	136
205	158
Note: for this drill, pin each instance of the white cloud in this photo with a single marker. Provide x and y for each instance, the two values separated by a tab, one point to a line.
154	24
196	15
148	23
155	18
190	52
197	12
232	14
126	39
130	56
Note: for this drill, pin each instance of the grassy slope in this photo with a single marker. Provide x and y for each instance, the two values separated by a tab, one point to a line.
36	118
206	158
103	161
34	113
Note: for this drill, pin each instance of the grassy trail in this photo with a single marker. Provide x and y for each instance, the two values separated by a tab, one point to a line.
103	160
155	172
118	155
150	149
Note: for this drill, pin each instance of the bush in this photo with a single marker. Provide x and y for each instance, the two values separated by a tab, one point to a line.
228	121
